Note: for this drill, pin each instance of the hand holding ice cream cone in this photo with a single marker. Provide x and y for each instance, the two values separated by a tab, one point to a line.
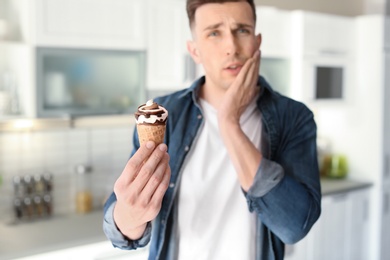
151	121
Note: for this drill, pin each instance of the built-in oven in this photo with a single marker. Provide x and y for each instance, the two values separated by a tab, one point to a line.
79	82
326	78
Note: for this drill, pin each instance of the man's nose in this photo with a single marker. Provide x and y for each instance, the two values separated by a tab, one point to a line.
231	45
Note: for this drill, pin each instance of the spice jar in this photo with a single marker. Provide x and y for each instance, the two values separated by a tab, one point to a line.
83	189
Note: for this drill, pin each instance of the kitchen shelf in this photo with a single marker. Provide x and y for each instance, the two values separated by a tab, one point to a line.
15	124
21	123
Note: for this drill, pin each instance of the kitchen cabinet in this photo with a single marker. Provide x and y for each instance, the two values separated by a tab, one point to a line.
323	34
275	28
341	231
169	65
329	237
97	25
323	45
358	221
115	24
16	59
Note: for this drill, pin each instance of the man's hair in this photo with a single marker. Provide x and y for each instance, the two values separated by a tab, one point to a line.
192	5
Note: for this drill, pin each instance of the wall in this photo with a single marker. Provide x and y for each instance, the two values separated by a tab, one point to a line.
344	7
58	152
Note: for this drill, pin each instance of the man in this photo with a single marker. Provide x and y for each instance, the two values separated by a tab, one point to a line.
241	178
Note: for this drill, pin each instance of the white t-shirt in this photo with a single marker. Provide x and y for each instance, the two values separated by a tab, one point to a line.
214	220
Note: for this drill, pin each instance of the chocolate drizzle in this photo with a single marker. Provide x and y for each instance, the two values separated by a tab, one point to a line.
148	111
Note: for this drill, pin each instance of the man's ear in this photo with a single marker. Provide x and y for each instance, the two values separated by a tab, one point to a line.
258	40
193	51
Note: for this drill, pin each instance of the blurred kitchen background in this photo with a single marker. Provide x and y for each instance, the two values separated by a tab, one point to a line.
72	72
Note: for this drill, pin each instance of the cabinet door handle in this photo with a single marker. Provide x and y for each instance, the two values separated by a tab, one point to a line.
333	52
386	205
339	197
386	167
365	210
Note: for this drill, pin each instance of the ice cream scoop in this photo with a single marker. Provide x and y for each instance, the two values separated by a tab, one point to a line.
151	121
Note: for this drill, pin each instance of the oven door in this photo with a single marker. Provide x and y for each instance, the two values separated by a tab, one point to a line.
327	78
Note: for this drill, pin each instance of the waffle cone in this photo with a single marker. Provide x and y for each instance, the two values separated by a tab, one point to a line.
151	133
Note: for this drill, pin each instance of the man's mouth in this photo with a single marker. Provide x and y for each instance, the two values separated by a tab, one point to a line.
234	68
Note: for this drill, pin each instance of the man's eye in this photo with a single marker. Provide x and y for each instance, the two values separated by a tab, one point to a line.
242	30
213	34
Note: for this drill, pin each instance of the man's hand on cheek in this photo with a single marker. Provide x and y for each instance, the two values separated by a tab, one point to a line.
241	91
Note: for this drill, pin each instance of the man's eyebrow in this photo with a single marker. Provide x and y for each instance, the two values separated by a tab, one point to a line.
212	27
238	25
244	25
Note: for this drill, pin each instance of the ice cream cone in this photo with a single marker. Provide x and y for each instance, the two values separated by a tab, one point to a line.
153	133
151	121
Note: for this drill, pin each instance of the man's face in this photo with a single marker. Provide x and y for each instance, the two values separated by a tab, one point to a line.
224	38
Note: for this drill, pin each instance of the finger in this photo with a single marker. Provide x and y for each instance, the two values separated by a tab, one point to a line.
244	72
135	163
155	180
149	167
258	62
253	71
159	193
249	79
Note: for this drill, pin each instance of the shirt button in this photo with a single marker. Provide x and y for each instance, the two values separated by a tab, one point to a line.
162	222
187	148
171	185
199	116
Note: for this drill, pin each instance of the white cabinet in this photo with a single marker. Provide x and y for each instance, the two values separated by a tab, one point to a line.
358	225
275	28
83	24
341	233
169	65
324	34
323	57
16	59
114	24
328	239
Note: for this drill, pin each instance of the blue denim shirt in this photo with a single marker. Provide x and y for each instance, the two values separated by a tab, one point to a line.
285	195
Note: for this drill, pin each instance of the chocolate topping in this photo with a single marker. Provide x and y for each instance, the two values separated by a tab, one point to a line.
153	109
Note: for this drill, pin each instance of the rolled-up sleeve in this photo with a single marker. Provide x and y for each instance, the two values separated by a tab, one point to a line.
117	238
267	177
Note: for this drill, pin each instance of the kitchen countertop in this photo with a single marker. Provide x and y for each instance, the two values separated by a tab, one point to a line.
60	232
334	186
